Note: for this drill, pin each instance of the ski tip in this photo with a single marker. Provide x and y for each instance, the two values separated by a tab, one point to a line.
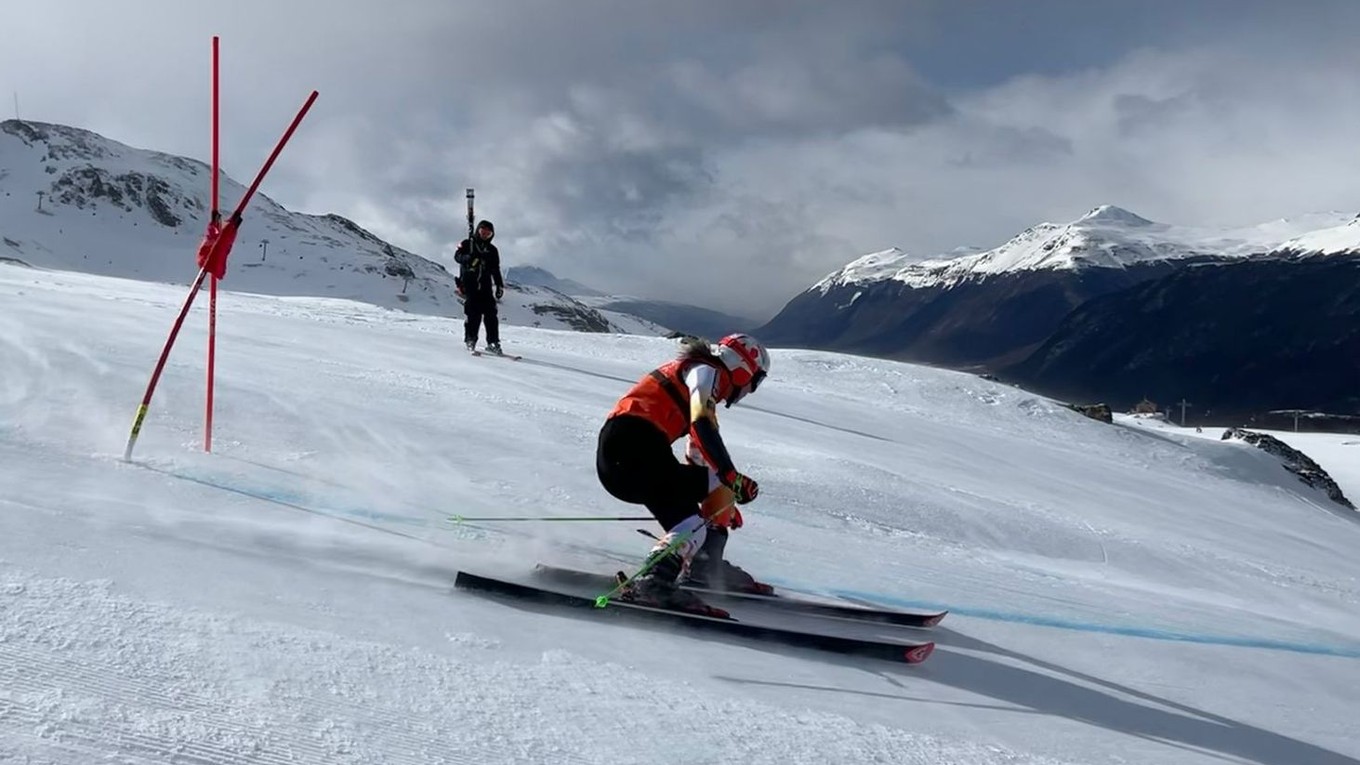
918	653
935	619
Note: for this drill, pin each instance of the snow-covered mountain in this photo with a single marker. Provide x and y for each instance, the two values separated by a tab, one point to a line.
1106	237
876	266
542	277
991	308
678	317
1111	307
1334	240
71	199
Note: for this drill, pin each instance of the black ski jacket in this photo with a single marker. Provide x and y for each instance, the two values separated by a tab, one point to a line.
479	267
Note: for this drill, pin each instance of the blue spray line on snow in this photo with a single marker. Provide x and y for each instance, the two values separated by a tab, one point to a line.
365	518
1153	633
297	501
294	500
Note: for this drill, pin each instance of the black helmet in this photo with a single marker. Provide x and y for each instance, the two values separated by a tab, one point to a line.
487	225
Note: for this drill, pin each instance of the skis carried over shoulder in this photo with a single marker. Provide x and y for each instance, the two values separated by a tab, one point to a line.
785	602
909	652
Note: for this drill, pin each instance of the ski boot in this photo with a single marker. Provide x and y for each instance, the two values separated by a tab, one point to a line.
494	349
471	345
657	588
709	571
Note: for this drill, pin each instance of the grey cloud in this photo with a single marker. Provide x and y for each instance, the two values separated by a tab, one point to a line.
801	92
993	145
1138	113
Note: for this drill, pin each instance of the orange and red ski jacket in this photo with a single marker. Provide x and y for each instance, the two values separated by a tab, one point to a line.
665	400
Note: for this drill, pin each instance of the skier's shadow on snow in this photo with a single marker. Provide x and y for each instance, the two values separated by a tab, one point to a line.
1077	696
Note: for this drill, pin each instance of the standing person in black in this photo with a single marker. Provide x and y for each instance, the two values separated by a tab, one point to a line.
481	285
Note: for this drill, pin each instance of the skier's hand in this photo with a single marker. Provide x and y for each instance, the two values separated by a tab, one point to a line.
720	509
743	487
500	292
729	518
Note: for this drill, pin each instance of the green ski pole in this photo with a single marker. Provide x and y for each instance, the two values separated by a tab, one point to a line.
652	560
550	518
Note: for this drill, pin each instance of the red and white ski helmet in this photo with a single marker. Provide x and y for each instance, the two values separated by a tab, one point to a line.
747	360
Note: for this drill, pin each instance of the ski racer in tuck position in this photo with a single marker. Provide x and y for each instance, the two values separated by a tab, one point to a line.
694	501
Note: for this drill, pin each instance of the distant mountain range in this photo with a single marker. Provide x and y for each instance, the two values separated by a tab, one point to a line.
677	317
541	277
1110	306
71	199
1042	308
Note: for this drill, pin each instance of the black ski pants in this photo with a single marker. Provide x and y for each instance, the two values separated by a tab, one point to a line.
480	307
635	464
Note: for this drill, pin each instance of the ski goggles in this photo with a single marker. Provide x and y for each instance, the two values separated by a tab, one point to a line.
743	390
757	380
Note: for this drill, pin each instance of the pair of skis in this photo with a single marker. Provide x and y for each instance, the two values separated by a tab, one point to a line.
567	588
510	356
799	605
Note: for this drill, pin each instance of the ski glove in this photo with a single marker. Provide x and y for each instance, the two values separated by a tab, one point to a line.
500	292
720	510
744	487
726	519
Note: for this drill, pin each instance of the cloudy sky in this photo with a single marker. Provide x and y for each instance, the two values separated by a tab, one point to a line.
724	153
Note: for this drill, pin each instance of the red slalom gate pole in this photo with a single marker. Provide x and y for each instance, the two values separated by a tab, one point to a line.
212	363
212	294
214	263
215	113
250	192
160	365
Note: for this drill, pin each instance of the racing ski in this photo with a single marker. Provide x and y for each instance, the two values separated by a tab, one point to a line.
786	602
904	651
